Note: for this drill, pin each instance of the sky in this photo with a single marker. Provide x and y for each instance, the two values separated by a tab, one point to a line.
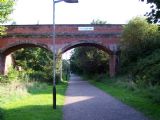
112	11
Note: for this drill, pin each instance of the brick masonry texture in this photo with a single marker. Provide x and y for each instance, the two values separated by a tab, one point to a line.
102	36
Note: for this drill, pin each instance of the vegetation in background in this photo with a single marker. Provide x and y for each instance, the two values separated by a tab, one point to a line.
6	7
139	38
89	60
154	14
35	62
140	51
66	70
98	21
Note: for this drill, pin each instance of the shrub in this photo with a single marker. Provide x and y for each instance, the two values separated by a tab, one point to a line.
154	94
101	78
31	75
125	82
1	114
13	74
147	69
3	79
35	87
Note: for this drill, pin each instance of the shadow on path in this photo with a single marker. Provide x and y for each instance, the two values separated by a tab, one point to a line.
86	102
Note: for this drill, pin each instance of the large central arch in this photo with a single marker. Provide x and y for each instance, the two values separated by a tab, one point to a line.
113	56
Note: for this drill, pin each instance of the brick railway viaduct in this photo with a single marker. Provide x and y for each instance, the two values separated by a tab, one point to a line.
105	37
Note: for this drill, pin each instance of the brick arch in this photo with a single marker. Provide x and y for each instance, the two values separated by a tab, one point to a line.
15	46
112	54
85	43
105	37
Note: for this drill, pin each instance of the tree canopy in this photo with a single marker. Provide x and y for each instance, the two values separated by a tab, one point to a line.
138	39
89	60
140	50
97	21
6	7
154	14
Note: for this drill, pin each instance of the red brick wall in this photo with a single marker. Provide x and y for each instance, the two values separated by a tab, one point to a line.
67	36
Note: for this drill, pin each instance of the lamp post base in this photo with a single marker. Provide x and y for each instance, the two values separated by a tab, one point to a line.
54	97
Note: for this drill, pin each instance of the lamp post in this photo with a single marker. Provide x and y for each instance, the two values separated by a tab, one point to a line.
54	48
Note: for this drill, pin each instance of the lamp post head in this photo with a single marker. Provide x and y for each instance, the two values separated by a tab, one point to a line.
71	1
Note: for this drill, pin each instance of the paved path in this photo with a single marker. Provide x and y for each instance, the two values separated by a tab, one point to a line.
86	102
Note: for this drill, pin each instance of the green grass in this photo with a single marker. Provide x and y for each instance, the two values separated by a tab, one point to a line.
36	105
134	98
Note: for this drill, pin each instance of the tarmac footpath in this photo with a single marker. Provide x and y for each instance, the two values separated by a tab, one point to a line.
83	101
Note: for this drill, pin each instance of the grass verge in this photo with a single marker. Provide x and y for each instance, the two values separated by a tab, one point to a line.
137	98
35	105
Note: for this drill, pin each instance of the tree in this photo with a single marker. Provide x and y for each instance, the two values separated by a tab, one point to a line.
139	40
137	37
89	60
66	69
154	15
98	22
6	7
35	62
